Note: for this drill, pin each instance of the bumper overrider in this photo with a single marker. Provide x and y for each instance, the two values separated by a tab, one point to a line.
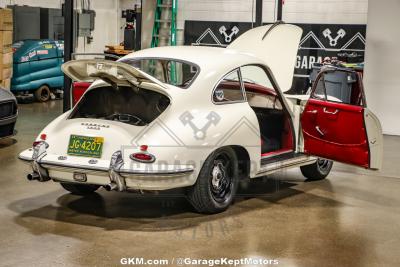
116	176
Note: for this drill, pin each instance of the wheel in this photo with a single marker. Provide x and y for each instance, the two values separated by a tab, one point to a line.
80	189
43	93
217	182
318	170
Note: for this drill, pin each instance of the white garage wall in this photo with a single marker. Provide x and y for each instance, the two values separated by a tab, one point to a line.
325	11
301	11
106	26
382	80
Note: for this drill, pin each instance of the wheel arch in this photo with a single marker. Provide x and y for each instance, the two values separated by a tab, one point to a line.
243	157
244	163
43	84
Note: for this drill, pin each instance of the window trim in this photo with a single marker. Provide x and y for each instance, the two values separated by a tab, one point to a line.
281	96
241	89
321	76
133	59
282	99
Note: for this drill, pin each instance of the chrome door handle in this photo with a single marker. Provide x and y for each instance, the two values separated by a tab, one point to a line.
319	130
330	112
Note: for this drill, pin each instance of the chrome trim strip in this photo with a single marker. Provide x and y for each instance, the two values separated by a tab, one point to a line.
164	172
286	164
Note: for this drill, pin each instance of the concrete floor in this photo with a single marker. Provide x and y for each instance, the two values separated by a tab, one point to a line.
350	219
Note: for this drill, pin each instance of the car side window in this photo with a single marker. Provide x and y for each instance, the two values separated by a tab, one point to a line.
229	89
339	86
256	76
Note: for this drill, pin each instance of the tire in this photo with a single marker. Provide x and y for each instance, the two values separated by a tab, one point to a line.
217	182
43	94
80	189
318	170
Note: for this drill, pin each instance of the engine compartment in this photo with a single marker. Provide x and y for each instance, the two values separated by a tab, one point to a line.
125	104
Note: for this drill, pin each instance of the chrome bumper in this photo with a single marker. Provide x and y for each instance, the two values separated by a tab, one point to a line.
115	177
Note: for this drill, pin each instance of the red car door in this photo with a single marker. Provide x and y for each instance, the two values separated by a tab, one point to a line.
336	123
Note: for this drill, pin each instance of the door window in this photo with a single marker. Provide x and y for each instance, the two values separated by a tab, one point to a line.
339	86
229	89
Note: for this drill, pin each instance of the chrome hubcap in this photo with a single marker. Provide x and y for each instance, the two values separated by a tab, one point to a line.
323	164
218	175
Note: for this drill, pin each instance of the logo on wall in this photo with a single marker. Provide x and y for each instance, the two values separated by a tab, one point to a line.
318	41
333	41
228	37
213	33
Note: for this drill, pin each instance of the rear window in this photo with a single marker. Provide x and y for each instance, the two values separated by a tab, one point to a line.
170	71
124	104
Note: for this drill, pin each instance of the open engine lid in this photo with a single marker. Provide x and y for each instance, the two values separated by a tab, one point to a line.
276	45
112	72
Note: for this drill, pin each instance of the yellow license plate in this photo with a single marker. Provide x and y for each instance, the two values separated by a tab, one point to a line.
85	146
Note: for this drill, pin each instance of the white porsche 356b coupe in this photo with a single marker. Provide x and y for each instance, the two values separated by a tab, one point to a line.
203	118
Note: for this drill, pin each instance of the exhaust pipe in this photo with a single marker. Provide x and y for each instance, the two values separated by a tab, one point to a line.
110	186
33	176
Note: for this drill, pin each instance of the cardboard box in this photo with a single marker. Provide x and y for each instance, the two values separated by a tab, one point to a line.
6	41
6	59
6	19
6	84
5	72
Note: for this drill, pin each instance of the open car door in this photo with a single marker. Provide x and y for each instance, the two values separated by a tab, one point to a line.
336	123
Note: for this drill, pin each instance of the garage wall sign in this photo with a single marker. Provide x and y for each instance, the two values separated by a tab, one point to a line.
318	41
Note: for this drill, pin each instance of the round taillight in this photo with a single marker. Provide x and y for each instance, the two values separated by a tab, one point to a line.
43	137
143	157
143	147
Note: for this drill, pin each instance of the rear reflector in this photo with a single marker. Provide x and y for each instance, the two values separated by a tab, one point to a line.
142	157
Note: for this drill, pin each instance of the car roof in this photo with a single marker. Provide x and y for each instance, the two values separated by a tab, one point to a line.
207	58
